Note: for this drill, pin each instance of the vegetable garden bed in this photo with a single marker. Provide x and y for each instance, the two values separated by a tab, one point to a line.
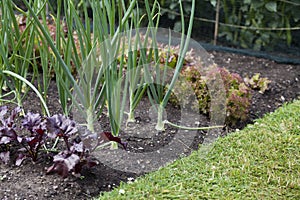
30	181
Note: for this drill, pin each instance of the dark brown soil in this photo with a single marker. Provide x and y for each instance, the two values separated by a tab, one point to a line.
29	181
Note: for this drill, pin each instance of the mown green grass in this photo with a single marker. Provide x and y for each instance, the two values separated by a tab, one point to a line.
260	162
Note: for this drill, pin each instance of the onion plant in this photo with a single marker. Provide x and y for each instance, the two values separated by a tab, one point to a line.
97	77
16	50
156	92
136	56
100	58
161	84
24	54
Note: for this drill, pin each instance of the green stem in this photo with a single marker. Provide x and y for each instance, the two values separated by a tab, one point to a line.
114	145
131	117
31	86
192	128
90	119
53	148
160	126
7	95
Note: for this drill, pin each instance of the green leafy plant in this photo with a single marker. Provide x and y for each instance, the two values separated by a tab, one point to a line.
192	78
155	91
257	83
238	97
27	55
261	17
99	58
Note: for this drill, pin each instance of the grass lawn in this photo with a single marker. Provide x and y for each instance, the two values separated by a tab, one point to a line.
260	162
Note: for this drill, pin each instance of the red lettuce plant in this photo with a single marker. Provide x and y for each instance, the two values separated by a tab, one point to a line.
237	92
238	97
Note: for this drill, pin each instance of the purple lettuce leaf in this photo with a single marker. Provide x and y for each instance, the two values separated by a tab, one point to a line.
3	111
7	135
37	127
7	129
77	147
72	160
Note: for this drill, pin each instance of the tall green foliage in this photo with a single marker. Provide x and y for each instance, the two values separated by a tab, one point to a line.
260	20
257	21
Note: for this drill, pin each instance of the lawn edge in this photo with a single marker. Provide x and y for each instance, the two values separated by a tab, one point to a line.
258	162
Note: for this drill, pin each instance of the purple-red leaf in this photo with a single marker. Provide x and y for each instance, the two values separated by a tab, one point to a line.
5	140
110	137
7	129
7	135
33	142
34	123
70	160
60	168
11	118
77	147
64	163
20	159
4	156
60	126
3	111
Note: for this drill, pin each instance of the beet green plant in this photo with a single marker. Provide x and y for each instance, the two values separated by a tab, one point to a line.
28	145
37	137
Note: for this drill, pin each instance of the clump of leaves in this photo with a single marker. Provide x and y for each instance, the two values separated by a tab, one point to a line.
258	83
8	133
191	78
72	159
238	94
238	97
76	155
32	144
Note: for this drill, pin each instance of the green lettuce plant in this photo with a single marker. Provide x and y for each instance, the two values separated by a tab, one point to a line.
257	83
238	97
